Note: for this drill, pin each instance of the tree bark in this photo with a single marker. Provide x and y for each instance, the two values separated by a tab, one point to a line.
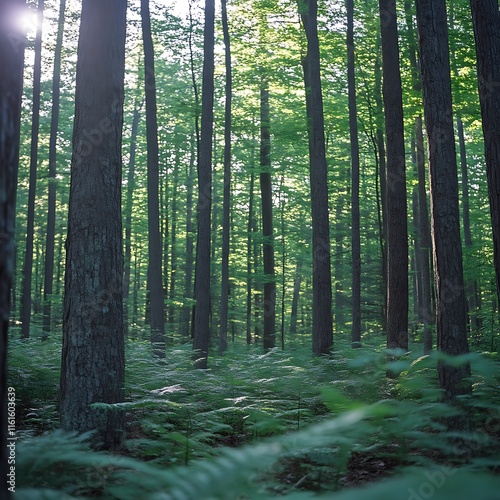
486	21
93	354
322	329
155	273
397	231
226	219
12	43
445	216
201	331
427	313
51	209
355	217
128	215
30	229
266	190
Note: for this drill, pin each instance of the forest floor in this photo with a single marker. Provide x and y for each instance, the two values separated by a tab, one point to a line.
260	425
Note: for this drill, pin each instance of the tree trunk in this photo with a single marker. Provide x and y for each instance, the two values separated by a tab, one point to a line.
486	20
295	299
201	331
12	42
397	231
128	215
224	295
155	275
322	330
188	282
35	126
424	257
471	284
93	354
250	230
173	244
266	190
445	216
355	217
51	210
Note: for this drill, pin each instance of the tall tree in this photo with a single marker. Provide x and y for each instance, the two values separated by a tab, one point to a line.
201	331
445	217
155	273
397	231
226	219
30	229
51	212
355	216
12	42
424	247
322	329
93	354
128	214
266	190
486	21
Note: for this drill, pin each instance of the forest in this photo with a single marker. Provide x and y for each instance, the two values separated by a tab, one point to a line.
250	249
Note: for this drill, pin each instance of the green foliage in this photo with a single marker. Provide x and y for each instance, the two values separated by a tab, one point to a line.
263	425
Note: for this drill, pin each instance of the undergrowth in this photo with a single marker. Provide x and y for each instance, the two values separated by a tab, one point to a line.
263	425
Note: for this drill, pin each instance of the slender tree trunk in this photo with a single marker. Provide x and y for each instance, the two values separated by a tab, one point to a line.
266	190
12	43
93	351
486	21
355	217
250	254
283	261
295	299
202	280
128	214
322	330
35	126
471	284
427	312
397	231
155	275
339	249
51	211
436	85
224	295
382	177
188	282
173	244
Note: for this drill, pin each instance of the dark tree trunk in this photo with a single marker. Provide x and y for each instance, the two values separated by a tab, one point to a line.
173	245
322	330
188	282
471	284
250	230
355	217
201	331
35	126
445	216
382	177
486	20
226	219
155	274
93	354
397	231
12	42
266	190
128	216
424	257
339	249
295	299
51	210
